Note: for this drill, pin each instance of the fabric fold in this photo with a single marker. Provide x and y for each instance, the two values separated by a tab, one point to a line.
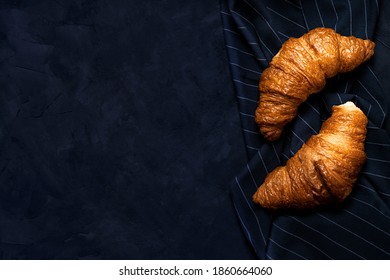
360	227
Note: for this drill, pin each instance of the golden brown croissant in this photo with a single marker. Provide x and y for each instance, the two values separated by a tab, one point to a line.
324	169
299	69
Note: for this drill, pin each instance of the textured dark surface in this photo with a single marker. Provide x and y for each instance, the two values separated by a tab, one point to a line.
119	132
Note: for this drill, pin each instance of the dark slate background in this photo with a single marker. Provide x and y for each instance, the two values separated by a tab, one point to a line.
119	132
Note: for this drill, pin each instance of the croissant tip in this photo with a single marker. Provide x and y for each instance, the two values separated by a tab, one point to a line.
349	105
255	198
270	133
258	199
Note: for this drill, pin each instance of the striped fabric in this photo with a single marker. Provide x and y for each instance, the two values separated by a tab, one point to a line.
359	228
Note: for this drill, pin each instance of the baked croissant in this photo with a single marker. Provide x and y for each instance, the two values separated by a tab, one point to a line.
299	69
325	168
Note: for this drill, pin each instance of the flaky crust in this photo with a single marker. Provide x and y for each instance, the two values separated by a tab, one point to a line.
299	69
325	169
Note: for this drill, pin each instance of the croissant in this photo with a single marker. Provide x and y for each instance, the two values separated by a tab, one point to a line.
324	169
299	69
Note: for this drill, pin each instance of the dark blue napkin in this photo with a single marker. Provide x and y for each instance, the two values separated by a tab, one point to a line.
360	227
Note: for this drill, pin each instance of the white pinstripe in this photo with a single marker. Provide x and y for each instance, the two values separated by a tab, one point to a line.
365	18
308	124
327	237
254	28
241	82
286	156
254	214
250	131
286	18
383	43
225	13
319	13
269	257
247	115
308	103
284	35
368	112
351	232
378	144
247	99
231	31
252	148
377	159
375	76
341	101
346	86
350	17
253	179
241	51
243	224
252	128
368	204
376	175
273	31
367	188
386	194
337	17
288	250
246	69
373	190
304	17
303	240
326	106
262	160
296	135
367	222
292	4
277	156
374	127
